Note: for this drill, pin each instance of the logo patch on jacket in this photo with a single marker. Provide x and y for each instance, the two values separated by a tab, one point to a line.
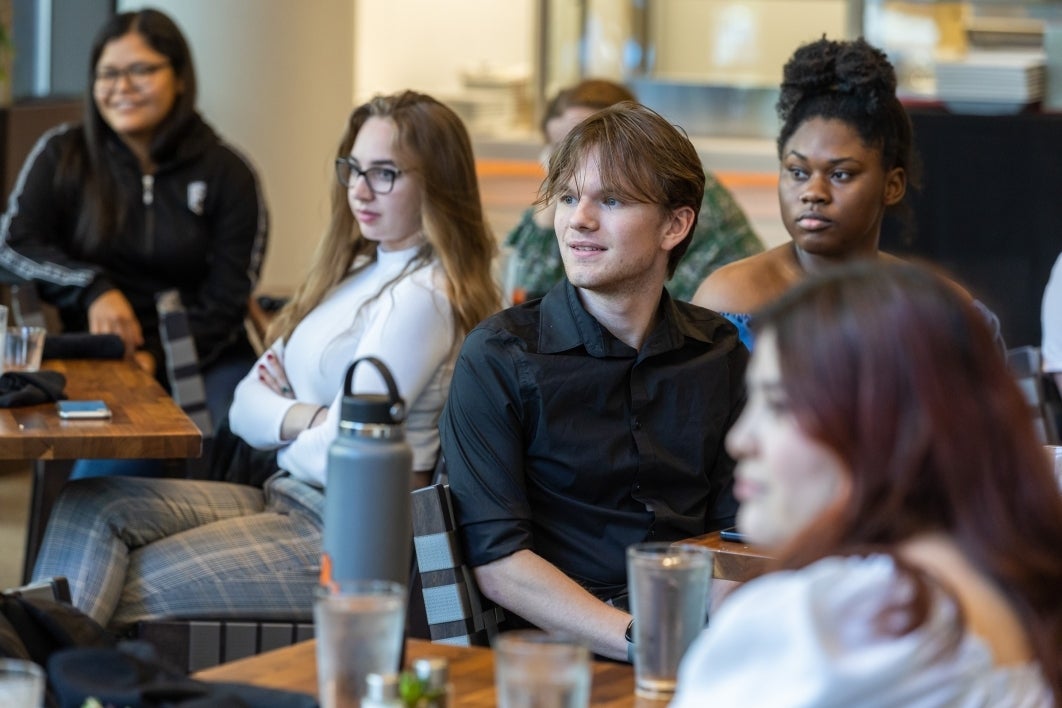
196	197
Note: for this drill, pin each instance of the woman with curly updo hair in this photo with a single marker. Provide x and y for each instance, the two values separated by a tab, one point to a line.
846	159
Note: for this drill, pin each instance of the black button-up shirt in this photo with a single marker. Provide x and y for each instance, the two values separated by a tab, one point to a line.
561	439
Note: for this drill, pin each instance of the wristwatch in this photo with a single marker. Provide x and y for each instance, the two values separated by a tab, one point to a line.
629	636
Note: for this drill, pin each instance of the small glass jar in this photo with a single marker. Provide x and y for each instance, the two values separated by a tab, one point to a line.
434	676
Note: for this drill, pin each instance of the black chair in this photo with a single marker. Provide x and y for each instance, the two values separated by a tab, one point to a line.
455	611
56	588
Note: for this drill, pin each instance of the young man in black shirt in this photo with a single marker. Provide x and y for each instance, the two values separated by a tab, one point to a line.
594	418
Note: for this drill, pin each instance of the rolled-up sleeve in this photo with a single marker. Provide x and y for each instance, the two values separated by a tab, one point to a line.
483	445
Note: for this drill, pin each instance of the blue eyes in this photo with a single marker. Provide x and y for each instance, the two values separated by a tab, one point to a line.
572	200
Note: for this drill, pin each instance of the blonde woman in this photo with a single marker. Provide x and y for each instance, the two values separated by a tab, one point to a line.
402	274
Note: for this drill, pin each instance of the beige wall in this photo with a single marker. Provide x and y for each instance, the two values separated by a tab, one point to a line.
732	42
278	77
275	79
427	44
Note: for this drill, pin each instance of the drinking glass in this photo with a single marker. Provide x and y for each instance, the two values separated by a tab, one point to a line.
535	669
21	683
359	627
23	347
668	586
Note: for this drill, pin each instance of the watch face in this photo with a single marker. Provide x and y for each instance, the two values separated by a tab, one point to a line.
629	634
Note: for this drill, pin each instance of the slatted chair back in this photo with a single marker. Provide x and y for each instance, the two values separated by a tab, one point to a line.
456	611
182	362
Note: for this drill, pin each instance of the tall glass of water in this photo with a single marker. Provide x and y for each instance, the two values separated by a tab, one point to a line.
668	585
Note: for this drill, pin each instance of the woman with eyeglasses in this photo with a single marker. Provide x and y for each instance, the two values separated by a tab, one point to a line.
402	273
142	197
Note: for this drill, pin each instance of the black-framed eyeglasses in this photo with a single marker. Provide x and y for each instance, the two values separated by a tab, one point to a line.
139	74
381	180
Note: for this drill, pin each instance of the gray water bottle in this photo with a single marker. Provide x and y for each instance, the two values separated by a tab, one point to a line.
367	517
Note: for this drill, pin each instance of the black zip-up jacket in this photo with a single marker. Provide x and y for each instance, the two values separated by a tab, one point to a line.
198	224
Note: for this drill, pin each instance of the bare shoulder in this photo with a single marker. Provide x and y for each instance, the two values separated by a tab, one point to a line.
746	285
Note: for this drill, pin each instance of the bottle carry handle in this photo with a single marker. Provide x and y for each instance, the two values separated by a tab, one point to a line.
397	407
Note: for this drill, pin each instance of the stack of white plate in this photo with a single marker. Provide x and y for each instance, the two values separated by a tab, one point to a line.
991	82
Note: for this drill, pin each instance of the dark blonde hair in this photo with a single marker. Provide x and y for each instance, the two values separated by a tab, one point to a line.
642	158
434	147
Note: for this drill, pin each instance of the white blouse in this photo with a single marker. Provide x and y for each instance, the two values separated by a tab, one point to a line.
807	638
409	327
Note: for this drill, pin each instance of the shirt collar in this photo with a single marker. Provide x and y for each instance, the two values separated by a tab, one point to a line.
566	325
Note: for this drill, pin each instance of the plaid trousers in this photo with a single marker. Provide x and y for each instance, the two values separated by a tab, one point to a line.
136	548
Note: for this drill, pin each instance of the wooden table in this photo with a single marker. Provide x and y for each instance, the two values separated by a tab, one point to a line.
145	423
294	668
733	561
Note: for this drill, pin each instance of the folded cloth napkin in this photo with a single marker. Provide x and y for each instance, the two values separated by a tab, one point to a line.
28	388
82	345
130	676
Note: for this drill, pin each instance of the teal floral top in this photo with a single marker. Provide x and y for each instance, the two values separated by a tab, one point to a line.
722	235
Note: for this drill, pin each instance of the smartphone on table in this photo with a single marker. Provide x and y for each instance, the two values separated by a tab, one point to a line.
83	410
732	534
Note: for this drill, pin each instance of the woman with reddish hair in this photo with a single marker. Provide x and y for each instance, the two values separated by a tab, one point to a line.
887	459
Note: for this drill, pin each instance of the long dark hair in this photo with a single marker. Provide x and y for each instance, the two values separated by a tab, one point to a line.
88	165
891	367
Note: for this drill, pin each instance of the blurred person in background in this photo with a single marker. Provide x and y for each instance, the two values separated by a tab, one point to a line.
139	198
1051	325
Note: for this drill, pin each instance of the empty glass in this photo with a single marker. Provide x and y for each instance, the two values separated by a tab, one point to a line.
23	347
535	669
21	683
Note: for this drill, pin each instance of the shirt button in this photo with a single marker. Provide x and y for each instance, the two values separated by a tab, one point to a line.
636	424
637	486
